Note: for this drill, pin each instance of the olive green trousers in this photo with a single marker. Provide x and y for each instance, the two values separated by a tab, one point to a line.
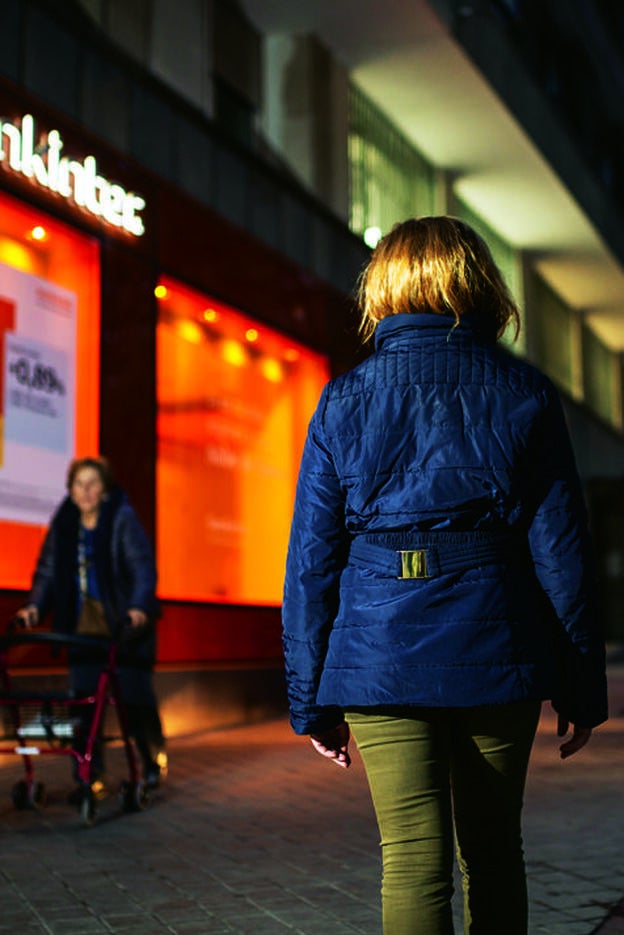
446	778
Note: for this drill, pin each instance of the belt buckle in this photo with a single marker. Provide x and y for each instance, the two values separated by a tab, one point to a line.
413	564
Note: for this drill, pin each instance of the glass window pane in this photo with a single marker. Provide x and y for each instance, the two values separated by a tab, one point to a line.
599	376
49	396
389	179
508	262
234	400
555	337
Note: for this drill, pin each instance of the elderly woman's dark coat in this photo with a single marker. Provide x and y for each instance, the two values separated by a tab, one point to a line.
124	565
126	579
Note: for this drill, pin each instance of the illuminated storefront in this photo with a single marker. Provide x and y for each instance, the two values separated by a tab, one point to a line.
49	402
126	327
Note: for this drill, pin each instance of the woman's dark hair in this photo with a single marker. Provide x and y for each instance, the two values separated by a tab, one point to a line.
98	464
435	264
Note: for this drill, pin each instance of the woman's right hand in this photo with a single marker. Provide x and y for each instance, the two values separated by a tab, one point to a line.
28	615
334	744
580	736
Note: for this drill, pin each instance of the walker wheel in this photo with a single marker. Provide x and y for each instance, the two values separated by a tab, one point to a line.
133	796
28	795
87	807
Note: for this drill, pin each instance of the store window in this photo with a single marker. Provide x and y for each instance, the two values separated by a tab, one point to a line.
234	400
49	394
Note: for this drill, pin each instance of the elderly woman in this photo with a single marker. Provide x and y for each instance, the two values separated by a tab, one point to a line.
95	572
438	583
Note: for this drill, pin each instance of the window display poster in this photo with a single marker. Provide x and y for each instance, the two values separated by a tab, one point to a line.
38	370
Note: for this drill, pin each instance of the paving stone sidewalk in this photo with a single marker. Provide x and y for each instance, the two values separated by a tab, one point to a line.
255	834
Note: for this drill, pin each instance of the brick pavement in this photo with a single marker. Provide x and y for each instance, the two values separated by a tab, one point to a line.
256	834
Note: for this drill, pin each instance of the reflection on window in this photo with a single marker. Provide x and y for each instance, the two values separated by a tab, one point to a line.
234	400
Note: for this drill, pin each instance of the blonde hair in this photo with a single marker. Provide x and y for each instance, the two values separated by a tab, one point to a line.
435	264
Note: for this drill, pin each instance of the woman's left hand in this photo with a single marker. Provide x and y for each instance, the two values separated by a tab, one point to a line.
137	618
334	744
580	736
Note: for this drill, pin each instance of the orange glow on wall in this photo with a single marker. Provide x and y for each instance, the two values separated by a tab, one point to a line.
33	242
232	418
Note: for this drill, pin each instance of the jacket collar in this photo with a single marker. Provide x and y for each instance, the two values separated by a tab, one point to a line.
419	323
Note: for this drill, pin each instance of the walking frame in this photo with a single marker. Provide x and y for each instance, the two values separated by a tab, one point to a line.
42	723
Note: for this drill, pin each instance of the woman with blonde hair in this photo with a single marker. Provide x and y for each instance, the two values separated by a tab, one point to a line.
439	579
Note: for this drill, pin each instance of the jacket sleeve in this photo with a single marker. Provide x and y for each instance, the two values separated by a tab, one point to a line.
563	558
134	560
316	557
42	587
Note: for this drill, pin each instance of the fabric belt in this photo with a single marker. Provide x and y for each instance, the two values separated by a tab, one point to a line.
428	555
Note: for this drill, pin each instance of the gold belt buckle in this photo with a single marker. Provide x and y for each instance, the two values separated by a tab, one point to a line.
413	563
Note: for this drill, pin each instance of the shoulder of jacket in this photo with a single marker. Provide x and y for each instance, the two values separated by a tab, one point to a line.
65	517
523	372
119	508
351	381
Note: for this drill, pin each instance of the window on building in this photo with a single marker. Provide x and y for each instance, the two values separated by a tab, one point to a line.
508	261
237	71
49	387
601	378
389	179
556	339
234	400
233	114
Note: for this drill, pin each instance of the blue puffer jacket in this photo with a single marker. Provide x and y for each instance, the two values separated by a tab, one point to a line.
446	447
